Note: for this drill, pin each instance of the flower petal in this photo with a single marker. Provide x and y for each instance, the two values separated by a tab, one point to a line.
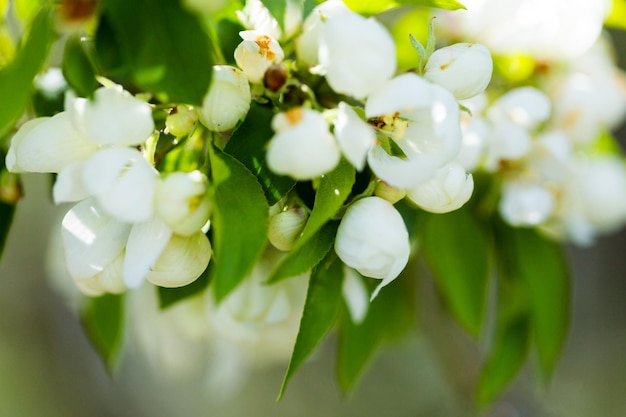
123	181
51	145
145	244
113	117
69	184
91	238
401	172
355	137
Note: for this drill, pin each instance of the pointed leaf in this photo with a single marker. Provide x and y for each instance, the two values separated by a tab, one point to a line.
239	222
77	68
439	4
247	144
307	256
457	250
390	316
103	320
371	7
332	192
158	46
277	8
16	78
505	359
323	301
542	267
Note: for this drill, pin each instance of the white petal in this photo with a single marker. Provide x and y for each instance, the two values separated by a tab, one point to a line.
51	145
358	54
11	158
355	137
402	93
525	204
69	184
355	295
401	172
123	181
145	244
182	261
91	238
114	117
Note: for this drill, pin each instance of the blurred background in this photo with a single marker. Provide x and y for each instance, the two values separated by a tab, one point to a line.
48	368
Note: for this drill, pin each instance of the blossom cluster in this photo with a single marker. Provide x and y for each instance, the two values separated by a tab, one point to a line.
140	171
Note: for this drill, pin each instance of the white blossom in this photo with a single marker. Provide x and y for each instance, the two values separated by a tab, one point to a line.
357	55
307	44
303	146
448	190
464	69
255	16
256	53
228	99
373	239
525	203
423	120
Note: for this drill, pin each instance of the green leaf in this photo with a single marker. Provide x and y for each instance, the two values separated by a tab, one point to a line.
390	317
307	256
17	77
77	68
171	296
103	320
371	7
457	250
322	305
158	46
505	360
239	222
248	143
617	18
332	192
540	264
277	8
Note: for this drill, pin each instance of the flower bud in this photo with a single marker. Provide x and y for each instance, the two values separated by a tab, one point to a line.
464	69
228	99
182	261
275	77
181	202
373	239
285	227
303	146
449	189
181	120
525	203
256	53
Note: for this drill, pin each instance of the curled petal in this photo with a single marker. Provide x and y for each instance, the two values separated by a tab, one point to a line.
182	261
91	239
123	181
403	93
145	244
355	295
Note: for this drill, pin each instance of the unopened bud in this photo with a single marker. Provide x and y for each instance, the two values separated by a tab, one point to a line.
228	99
275	77
181	120
285	227
10	188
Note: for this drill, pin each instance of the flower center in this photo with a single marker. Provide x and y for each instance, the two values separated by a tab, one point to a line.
392	125
264	44
294	115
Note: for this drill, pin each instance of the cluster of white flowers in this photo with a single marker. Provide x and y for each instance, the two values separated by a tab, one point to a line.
548	142
130	223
